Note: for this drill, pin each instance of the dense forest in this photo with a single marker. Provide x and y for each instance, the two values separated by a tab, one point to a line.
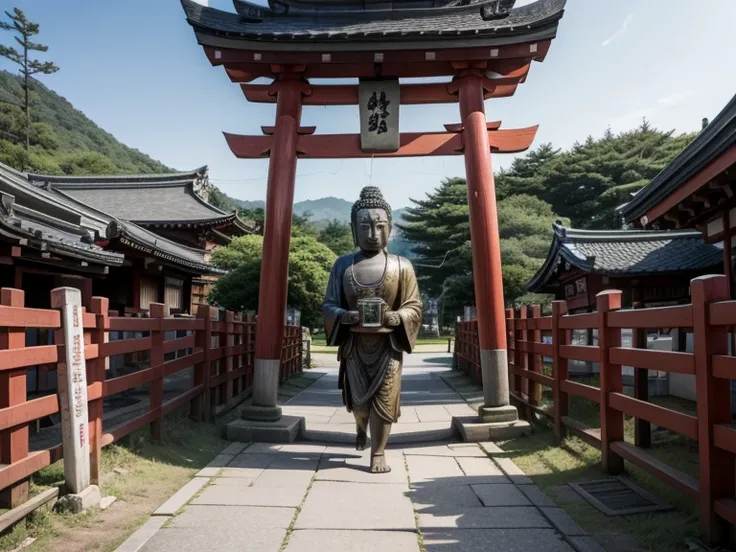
581	187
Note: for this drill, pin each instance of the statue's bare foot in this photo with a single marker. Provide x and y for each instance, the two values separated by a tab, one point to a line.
378	464
361	441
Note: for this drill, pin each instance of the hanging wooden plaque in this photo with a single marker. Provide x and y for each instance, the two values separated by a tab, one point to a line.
379	103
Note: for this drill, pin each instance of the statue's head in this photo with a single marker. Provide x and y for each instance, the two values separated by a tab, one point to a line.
371	220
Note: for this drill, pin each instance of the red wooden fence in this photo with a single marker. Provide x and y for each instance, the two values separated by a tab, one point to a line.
220	349
710	317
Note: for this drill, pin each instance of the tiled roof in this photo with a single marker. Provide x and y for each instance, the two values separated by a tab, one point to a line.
51	204
370	25
718	136
46	231
624	253
173	202
138	198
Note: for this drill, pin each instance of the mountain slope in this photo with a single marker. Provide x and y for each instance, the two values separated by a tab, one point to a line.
64	140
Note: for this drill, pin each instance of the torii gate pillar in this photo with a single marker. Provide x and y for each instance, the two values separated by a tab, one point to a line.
498	418
272	291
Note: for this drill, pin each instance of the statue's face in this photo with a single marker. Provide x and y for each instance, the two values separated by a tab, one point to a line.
372	229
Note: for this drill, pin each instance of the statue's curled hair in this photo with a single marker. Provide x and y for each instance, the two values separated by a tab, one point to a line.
371	198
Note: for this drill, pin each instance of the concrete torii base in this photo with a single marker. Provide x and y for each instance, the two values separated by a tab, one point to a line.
492	424
284	430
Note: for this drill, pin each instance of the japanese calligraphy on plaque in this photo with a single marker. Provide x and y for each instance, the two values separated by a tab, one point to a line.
379	102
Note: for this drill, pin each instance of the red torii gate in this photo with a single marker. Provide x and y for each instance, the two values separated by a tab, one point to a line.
485	47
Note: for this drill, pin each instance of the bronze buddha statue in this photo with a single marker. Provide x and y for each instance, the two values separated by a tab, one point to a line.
373	312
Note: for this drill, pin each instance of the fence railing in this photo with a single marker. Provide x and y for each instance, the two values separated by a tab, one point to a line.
711	318
211	366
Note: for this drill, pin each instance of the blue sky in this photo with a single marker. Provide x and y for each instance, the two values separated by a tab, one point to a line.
135	69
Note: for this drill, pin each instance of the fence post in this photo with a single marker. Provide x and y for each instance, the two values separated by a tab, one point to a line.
156	387
229	359
535	389
511	345
559	371
72	378
713	404
642	428
612	421
13	442
100	307
250	347
525	360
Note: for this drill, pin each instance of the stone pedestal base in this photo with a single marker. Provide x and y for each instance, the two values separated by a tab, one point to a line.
473	430
285	430
498	414
261	413
80	502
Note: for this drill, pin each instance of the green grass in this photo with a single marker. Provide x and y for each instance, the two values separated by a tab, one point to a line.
141	473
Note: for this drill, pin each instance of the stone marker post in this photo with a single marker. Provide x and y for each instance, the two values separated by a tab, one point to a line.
72	376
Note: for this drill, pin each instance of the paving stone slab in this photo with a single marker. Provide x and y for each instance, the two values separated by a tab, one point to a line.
306	449
294	462
437	470
352	541
491	448
208	472
357	469
484	518
241	473
229	494
537	497
221	460
426	499
235	540
563	522
501	495
262	448
481	466
432	413
589	544
226	517
181	497
332	505
137	540
444	450
284	478
252	460
500	540
513	471
234	448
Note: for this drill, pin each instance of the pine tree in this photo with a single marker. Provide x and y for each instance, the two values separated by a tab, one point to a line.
25	29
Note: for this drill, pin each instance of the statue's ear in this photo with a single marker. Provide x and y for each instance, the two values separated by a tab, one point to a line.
355	234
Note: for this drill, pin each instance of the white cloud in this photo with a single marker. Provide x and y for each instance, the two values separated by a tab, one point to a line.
676	98
620	32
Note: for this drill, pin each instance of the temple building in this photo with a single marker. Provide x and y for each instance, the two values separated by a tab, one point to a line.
652	268
134	239
696	190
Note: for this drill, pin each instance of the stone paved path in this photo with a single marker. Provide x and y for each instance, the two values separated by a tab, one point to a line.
308	496
427	403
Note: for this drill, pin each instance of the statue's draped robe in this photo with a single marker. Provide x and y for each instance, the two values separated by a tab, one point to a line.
370	363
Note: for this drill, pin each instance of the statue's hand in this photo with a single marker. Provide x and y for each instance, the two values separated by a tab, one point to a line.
391	319
350	318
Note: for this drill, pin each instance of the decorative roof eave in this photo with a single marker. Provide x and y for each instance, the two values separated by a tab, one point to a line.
490	9
120	231
202	223
118	180
363	30
42	241
718	139
561	251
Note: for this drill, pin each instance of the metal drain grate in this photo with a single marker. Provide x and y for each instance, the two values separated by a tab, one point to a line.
619	497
